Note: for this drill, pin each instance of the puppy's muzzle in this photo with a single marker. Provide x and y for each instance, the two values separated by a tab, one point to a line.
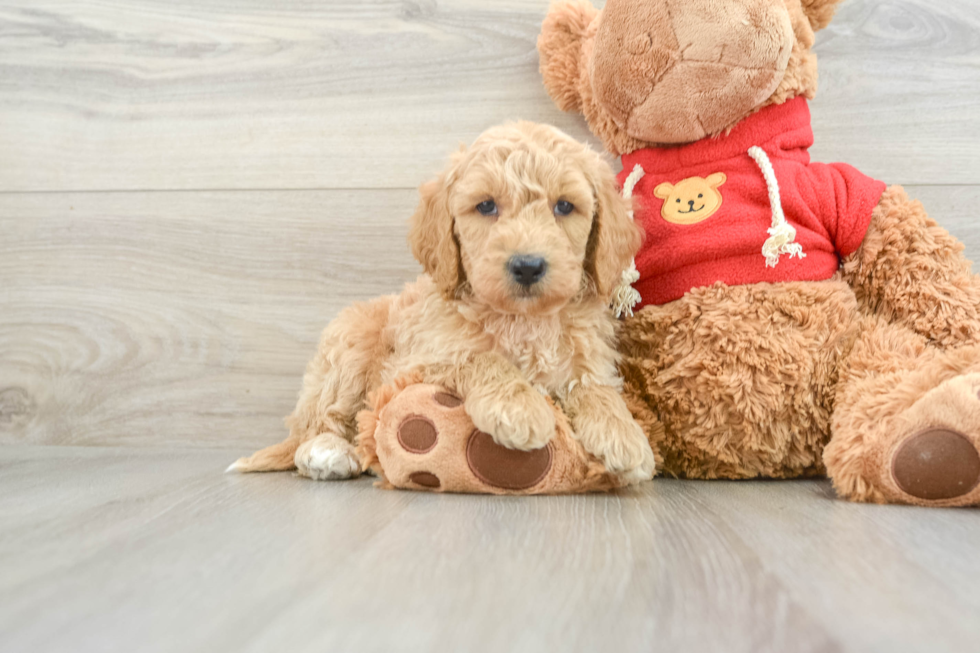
527	270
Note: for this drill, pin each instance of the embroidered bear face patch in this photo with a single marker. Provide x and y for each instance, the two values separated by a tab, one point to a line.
692	200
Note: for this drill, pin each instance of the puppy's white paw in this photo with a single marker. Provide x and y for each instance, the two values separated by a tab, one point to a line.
642	472
622	446
327	457
520	420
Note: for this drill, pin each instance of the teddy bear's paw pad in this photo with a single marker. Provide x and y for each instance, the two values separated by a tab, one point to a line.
417	434
425	479
447	399
505	468
936	464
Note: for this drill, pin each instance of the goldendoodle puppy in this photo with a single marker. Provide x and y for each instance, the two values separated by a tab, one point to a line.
523	240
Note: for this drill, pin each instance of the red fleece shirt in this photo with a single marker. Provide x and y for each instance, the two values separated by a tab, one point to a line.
829	206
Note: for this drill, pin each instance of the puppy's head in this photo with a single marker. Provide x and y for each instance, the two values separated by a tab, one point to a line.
526	220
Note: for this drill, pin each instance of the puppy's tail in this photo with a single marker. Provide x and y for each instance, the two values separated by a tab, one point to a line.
277	458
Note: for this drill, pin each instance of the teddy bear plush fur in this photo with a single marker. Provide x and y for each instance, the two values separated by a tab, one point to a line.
869	374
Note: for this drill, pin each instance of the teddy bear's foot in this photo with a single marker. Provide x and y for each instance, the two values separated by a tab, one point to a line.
420	437
937	462
925	454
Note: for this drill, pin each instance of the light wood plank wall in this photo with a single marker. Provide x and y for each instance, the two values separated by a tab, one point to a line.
190	190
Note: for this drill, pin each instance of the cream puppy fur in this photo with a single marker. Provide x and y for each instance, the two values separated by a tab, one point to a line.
523	239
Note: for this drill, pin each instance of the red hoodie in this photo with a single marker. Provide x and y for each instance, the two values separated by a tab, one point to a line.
707	207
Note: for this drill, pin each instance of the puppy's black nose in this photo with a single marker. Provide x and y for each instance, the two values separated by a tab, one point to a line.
527	270
690	203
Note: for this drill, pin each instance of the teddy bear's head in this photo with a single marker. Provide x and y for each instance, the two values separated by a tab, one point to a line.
663	72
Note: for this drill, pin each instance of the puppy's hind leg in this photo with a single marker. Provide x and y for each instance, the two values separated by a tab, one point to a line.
323	425
327	457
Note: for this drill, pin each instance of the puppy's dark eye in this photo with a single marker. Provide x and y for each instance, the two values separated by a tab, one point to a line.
678	201
563	208
700	195
487	207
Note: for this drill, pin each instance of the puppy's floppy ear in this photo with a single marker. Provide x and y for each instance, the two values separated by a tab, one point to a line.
819	12
432	236
615	238
560	48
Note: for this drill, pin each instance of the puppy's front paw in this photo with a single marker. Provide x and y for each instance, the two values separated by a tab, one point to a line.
521	419
621	445
327	457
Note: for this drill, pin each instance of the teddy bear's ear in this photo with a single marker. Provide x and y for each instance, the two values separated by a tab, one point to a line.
820	12
560	48
664	190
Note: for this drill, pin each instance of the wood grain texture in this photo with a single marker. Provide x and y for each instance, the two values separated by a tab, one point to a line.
170	326
155	550
215	94
179	317
187	318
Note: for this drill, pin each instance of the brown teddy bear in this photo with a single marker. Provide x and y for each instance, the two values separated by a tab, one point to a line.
795	318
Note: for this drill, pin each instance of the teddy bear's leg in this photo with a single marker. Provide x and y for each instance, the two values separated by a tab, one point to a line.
738	381
911	271
906	421
420	437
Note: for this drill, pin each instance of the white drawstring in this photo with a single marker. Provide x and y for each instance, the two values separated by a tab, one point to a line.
781	233
631	181
625	296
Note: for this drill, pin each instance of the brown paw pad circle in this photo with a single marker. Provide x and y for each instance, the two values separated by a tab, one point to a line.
425	479
936	464
447	400
506	468
417	434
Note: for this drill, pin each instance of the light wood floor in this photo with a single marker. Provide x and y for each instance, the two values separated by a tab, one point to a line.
191	189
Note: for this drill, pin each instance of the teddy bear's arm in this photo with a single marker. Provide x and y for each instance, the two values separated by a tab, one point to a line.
910	270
